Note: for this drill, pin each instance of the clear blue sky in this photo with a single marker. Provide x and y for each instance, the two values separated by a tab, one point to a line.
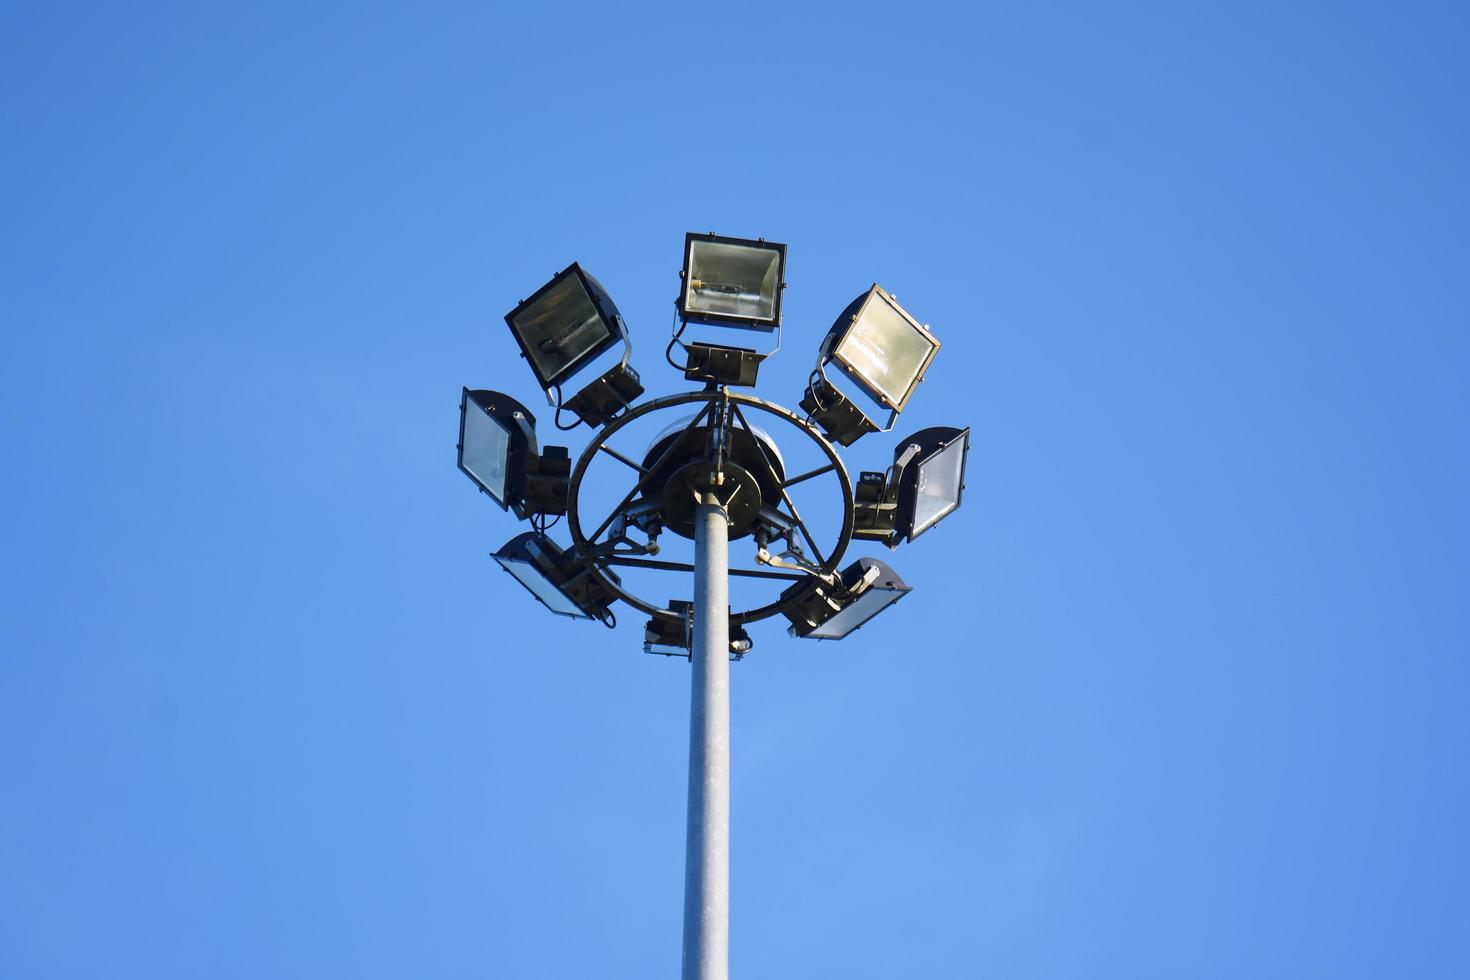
1180	692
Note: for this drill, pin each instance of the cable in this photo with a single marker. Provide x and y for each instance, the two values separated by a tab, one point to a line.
678	330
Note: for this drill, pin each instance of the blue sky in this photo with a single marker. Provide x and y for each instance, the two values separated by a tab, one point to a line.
1180	690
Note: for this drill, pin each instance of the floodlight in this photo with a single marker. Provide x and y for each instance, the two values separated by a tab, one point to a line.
560	581
565	324
675	639
881	347
496	434
831	612
938	479
732	281
922	487
497	450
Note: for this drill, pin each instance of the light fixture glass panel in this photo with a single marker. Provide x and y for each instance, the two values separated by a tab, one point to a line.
937	491
531	576
857	612
733	280
885	350
485	449
560	329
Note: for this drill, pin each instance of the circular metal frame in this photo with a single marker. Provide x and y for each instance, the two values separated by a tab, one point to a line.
583	547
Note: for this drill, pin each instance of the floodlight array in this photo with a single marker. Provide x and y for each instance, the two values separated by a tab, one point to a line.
881	353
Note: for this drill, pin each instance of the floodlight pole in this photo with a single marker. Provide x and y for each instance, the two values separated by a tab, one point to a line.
707	844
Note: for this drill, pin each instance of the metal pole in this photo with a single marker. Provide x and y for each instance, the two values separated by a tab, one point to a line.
707	847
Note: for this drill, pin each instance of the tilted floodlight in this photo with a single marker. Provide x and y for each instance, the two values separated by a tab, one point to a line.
833	611
559	580
732	281
881	347
497	450
933	483
922	487
564	325
674	639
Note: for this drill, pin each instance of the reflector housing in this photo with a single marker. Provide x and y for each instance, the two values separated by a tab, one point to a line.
564	325
934	490
865	589
494	443
882	348
732	281
558	581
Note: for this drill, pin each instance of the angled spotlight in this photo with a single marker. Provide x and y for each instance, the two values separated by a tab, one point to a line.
732	281
565	324
497	450
934	482
831	612
881	347
675	639
922	488
561	582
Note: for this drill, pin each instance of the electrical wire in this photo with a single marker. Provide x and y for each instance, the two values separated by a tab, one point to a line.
556	419
678	331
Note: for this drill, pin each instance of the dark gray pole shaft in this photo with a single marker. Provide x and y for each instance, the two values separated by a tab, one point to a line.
707	848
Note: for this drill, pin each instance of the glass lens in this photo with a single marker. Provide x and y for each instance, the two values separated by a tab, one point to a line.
734	280
486	447
937	491
885	350
862	609
560	329
531	577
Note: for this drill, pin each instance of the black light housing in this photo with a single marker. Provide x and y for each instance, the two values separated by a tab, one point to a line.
608	397
926	483
675	639
874	512
732	281
497	450
934	481
559	581
722	365
839	416
881	347
564	325
831	612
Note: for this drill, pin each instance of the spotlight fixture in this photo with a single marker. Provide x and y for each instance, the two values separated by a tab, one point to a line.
497	450
564	325
933	492
674	639
922	487
831	612
881	347
560	581
732	281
